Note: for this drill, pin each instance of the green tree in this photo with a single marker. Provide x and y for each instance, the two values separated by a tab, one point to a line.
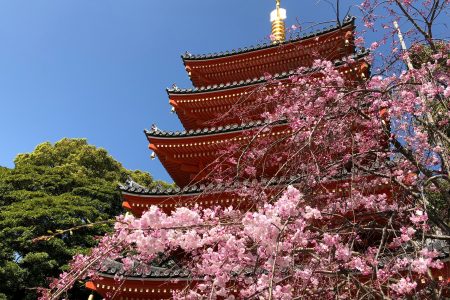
49	191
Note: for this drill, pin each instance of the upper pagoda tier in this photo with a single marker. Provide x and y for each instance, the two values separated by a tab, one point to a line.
253	62
206	106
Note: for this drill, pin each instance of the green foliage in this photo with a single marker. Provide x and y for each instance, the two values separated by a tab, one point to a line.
422	53
51	190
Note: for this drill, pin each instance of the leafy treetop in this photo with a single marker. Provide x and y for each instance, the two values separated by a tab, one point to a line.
56	187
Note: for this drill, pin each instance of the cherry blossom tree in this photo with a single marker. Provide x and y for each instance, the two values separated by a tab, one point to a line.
363	208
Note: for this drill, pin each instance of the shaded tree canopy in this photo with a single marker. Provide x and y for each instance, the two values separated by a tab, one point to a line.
49	191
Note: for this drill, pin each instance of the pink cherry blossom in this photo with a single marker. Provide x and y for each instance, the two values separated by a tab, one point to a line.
340	183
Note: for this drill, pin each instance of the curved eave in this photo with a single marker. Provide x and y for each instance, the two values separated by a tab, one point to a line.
214	189
349	22
138	204
207	132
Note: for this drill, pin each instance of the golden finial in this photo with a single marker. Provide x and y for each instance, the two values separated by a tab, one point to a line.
277	18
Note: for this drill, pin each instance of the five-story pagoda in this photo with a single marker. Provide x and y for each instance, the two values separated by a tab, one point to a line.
220	81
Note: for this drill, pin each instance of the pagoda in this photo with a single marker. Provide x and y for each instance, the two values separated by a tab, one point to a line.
220	80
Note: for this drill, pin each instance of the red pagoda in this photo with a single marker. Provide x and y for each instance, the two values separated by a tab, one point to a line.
219	81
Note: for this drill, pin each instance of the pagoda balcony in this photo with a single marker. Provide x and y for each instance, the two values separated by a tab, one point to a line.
332	43
214	105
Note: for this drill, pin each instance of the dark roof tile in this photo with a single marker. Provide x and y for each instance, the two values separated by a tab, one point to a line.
167	269
216	187
212	130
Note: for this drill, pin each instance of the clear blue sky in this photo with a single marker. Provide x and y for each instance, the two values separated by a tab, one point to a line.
98	69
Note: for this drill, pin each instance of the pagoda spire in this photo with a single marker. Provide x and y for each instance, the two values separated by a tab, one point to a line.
277	17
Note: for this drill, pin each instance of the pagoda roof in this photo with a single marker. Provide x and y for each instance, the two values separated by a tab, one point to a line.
169	269
209	131
349	20
138	199
165	270
136	189
278	76
228	85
